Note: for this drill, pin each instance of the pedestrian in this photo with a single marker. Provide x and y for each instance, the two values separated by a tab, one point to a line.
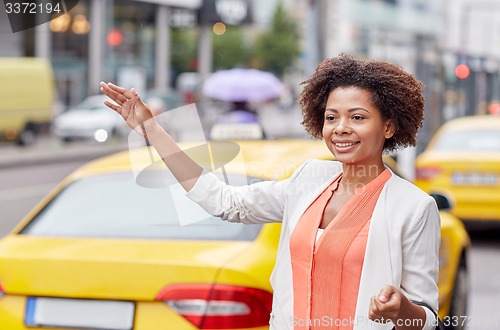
240	122
239	112
359	245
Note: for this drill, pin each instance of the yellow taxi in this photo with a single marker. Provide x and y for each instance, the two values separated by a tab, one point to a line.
117	245
462	162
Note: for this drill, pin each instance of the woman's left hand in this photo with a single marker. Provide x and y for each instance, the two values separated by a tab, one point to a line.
386	305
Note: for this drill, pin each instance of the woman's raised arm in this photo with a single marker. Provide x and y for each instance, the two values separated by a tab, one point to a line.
139	117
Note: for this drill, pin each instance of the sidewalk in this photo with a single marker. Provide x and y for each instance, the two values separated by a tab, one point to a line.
278	124
49	150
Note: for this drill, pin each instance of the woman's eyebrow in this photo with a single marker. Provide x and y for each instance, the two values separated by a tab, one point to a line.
349	110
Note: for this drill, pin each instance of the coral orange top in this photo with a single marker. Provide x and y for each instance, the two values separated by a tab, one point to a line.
326	273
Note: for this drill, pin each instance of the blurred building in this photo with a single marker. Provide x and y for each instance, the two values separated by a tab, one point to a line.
471	46
128	41
405	32
125	41
12	44
429	38
453	46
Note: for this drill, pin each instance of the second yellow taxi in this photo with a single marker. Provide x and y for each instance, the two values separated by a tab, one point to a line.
462	162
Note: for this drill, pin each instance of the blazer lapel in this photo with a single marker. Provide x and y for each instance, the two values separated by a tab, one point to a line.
377	267
305	198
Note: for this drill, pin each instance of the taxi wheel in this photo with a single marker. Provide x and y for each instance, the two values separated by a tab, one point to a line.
28	135
458	309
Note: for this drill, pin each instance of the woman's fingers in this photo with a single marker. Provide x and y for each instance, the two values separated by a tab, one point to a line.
385	305
120	91
119	99
386	293
113	106
137	98
128	103
117	94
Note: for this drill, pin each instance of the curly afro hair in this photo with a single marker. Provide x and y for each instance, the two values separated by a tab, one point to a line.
396	93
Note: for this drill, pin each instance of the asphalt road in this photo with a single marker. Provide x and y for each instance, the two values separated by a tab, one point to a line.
23	187
484	270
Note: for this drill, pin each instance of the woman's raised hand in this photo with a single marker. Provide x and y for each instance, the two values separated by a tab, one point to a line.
139	117
128	104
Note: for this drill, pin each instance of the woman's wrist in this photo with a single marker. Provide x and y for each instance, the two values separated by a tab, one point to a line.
150	124
409	314
403	308
147	129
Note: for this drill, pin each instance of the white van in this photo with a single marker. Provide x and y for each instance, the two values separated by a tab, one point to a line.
27	95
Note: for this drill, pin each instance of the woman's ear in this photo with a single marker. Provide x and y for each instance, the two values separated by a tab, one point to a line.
390	129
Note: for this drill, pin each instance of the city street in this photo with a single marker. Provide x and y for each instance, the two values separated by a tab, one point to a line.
484	267
24	186
27	174
393	90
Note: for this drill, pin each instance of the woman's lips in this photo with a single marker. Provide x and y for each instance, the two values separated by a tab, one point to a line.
345	146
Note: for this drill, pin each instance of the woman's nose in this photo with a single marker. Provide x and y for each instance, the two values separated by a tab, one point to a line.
343	127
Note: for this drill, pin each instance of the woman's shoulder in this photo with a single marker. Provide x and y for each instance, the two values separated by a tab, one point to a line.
404	192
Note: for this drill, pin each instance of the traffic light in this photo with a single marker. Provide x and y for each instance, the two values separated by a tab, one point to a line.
494	108
114	38
462	71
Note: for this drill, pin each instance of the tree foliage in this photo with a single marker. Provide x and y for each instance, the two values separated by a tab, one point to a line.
279	46
274	50
184	49
229	49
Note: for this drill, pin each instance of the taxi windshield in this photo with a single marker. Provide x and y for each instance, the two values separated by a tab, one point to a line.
115	205
470	140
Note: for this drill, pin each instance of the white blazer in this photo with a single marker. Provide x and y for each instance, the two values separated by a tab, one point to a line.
402	247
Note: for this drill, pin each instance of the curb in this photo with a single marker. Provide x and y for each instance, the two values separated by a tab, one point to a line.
49	157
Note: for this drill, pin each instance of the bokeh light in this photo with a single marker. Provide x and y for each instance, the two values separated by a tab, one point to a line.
494	108
61	23
219	28
115	38
80	25
462	71
101	135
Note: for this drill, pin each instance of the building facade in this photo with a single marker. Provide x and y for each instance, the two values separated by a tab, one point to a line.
472	38
125	41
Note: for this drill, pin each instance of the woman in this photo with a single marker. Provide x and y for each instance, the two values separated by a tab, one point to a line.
358	244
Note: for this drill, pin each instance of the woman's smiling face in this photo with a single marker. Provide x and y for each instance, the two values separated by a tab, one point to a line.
353	127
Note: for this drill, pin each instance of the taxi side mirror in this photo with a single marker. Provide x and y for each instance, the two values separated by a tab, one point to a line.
442	202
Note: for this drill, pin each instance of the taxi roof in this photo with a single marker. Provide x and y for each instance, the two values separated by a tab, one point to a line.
473	122
266	159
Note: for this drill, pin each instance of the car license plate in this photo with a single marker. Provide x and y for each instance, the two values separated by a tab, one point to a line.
475	179
79	313
236	131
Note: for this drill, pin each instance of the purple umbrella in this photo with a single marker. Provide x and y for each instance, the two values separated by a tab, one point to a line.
242	85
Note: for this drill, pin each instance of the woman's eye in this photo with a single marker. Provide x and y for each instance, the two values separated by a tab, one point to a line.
330	117
357	117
